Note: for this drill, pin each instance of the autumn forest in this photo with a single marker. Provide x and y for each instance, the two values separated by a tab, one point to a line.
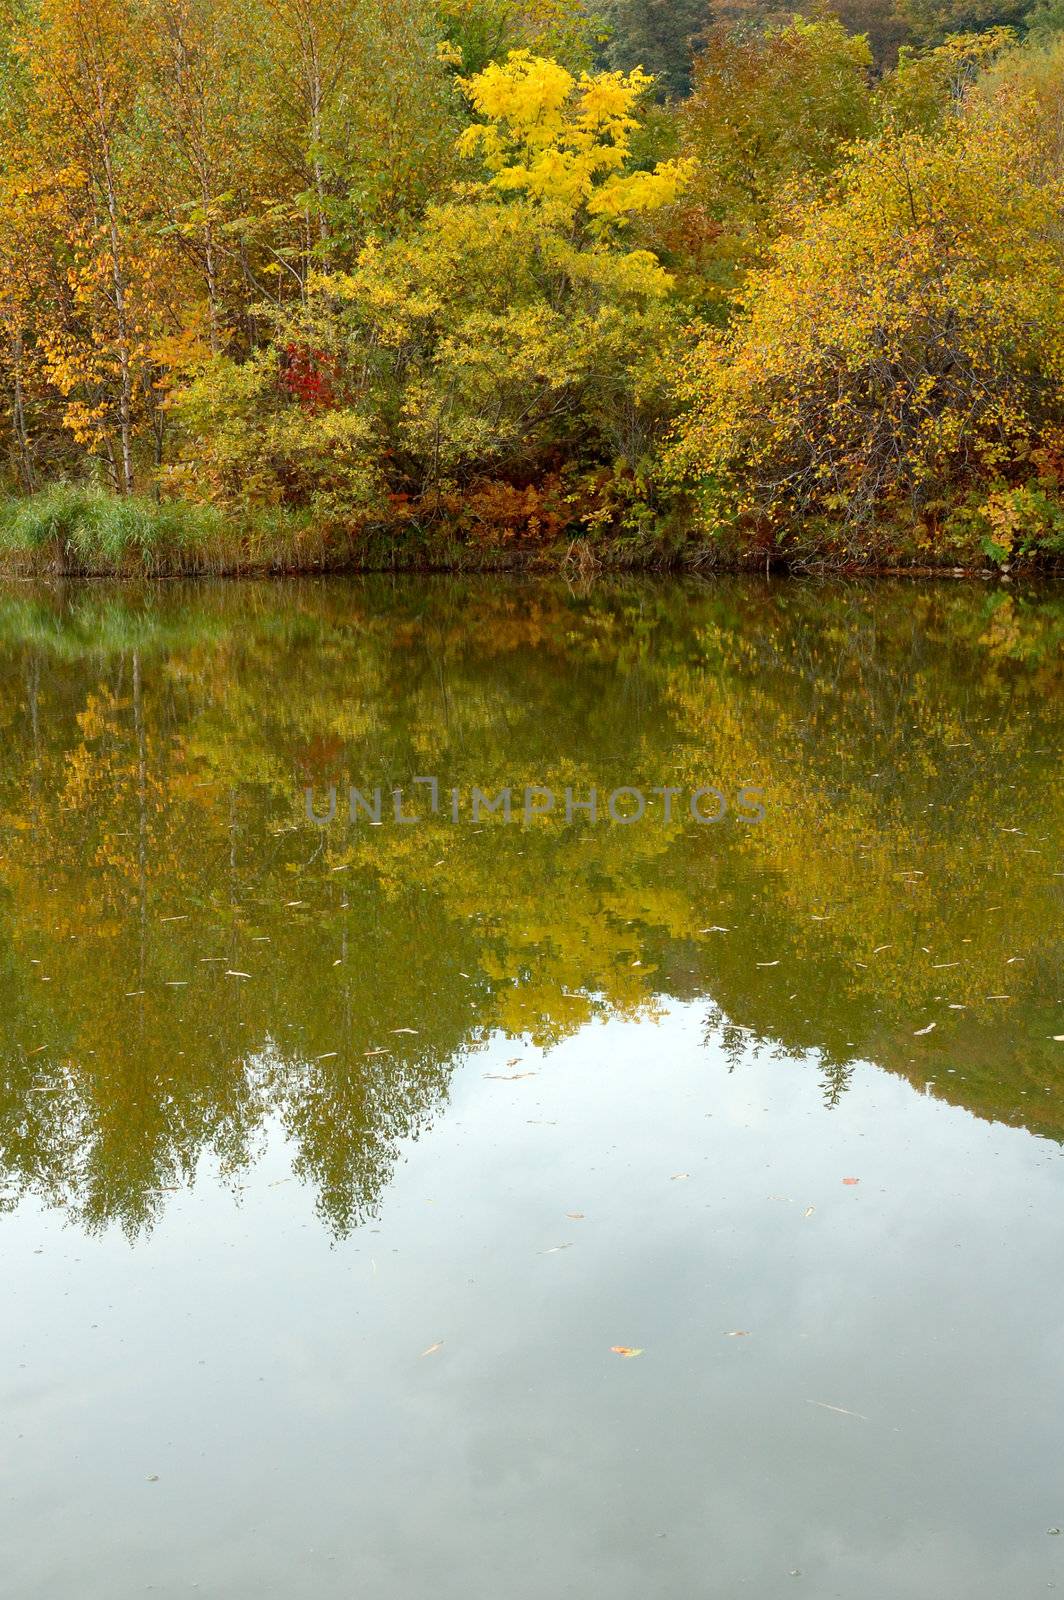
291	285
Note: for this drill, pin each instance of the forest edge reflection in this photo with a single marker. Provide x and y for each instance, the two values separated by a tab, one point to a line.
244	966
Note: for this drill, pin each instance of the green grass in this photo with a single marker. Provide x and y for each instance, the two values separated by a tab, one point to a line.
72	531
67	529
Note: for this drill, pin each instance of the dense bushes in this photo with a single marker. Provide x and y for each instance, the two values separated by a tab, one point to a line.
404	274
903	349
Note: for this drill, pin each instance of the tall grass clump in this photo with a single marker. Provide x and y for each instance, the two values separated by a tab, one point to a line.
72	530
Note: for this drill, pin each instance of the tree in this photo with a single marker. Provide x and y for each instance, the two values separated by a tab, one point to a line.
932	21
509	331
658	36
771	107
929	86
482	31
903	346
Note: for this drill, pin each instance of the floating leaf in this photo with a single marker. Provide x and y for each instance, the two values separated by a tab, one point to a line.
626	1350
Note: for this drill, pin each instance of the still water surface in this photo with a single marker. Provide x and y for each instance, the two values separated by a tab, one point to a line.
334	1162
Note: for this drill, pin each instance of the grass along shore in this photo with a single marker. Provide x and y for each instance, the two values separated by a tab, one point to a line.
70	531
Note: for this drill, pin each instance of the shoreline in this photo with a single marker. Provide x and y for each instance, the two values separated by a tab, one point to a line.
71	532
536	565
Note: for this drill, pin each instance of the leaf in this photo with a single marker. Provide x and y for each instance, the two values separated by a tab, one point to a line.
431	1351
626	1350
931	1026
851	1180
738	1333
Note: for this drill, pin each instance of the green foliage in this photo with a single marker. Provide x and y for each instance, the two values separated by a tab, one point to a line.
657	35
478	32
1045	21
509	333
77	528
250	442
932	21
927	87
771	109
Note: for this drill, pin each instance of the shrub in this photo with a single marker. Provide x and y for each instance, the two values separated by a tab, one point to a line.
903	347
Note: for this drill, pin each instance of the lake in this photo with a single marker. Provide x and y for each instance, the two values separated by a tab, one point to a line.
661	1200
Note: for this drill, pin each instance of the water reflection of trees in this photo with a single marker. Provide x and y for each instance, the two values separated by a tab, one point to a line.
156	747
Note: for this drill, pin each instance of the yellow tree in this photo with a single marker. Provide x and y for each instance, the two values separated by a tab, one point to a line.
190	66
566	140
80	59
902	349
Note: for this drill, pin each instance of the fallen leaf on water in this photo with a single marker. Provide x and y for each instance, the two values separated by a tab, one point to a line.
714	929
330	1055
809	1210
626	1350
931	1026
738	1333
404	1030
851	1180
553	1251
431	1351
880	948
678	1175
577	1216
840	1409
231	974
508	1077
767	963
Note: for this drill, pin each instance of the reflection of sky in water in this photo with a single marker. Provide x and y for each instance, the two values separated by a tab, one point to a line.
271	1375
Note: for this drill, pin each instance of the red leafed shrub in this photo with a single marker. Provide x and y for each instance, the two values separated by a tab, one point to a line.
308	377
